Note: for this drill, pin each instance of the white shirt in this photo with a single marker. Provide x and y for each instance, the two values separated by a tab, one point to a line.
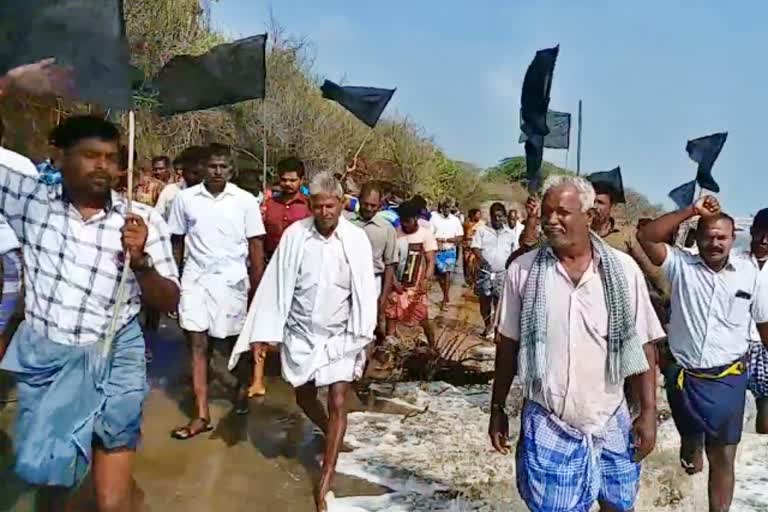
754	335
517	229
72	266
165	200
216	229
446	227
8	240
711	312
576	387
495	245
318	320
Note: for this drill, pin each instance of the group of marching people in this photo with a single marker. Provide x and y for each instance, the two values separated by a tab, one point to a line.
582	310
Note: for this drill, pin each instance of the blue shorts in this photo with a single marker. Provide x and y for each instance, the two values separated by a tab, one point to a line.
445	261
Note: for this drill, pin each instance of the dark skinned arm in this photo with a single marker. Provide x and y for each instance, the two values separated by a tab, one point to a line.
386	284
763	330
644	386
177	242
505	368
653	235
159	293
479	255
256	268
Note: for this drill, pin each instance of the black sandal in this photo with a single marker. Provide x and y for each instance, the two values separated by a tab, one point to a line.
186	432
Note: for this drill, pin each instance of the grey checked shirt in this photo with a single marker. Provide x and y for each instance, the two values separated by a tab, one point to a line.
72	266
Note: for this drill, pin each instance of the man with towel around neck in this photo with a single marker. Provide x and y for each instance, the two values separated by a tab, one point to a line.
574	322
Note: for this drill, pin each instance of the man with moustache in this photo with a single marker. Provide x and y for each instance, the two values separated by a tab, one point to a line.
758	353
77	409
218	227
716	297
318	301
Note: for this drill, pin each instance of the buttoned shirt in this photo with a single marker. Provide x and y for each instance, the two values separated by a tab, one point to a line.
383	239
72	266
495	245
576	387
322	299
278	215
166	198
711	312
216	229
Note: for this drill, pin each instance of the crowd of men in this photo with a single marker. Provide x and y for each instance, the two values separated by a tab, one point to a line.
583	311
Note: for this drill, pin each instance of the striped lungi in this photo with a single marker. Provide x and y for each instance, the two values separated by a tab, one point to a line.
560	469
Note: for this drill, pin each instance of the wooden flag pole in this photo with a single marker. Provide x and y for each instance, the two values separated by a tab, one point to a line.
264	144
357	154
121	287
578	145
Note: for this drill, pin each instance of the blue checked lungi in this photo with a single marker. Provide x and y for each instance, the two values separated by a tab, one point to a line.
445	260
489	284
560	469
66	405
11	287
758	369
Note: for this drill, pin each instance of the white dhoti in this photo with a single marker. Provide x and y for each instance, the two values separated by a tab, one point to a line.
324	361
213	302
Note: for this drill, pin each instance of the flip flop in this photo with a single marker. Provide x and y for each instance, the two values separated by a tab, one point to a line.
185	432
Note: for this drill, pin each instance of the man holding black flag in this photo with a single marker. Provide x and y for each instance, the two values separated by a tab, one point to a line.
79	408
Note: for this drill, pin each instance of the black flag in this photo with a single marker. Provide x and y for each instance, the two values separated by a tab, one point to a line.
86	35
609	182
559	136
226	74
534	105
365	103
684	194
704	151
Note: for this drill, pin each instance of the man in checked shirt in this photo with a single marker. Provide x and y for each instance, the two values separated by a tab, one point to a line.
77	409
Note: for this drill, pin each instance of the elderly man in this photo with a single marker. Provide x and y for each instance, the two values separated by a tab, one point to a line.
279	211
76	408
318	301
383	239
715	298
448	231
758	353
492	245
219	226
576	321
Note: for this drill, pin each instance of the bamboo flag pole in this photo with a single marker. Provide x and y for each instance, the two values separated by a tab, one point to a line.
120	294
264	143
357	154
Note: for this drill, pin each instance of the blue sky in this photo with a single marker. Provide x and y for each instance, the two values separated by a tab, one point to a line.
652	75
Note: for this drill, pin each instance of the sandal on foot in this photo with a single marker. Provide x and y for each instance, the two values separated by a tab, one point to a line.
186	432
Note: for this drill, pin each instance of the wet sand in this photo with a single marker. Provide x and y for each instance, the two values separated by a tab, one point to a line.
265	461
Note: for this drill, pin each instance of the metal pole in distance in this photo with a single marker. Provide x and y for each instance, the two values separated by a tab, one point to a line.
578	145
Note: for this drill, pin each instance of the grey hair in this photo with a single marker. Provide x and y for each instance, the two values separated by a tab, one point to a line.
582	186
325	183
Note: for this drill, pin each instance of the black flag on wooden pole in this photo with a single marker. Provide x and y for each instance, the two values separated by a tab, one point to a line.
534	105
228	73
704	151
86	35
365	103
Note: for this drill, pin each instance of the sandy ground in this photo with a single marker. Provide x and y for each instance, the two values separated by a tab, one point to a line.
418	447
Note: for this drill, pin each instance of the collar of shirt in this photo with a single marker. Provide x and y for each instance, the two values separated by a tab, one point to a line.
377	220
751	257
229	190
116	200
698	260
316	234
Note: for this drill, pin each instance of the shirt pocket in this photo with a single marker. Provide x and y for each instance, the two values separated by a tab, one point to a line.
739	311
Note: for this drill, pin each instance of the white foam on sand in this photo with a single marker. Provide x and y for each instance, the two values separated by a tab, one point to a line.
441	460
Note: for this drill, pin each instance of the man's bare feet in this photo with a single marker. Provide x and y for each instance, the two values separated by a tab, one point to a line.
692	459
257	389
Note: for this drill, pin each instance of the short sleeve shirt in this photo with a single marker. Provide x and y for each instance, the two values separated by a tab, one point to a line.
576	387
383	239
711	312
